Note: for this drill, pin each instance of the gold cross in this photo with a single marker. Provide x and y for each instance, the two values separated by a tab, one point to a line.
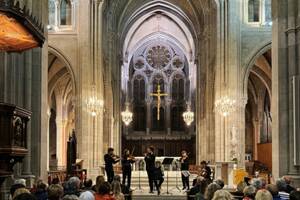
158	95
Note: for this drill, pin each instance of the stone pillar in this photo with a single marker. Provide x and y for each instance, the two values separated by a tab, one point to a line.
285	89
168	115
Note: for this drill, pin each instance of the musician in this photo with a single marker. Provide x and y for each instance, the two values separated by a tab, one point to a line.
205	171
150	168
127	160
109	160
185	174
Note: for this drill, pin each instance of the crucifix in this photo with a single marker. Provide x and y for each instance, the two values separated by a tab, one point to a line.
158	94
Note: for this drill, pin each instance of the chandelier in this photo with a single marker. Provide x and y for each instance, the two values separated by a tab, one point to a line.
225	105
188	116
94	104
127	116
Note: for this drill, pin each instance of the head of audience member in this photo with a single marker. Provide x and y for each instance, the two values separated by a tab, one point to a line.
247	180
55	192
41	190
210	191
281	185
19	183
263	195
257	183
116	178
288	180
272	189
116	188
87	195
25	196
295	195
19	192
241	186
99	180
263	182
220	182
201	183
70	197
88	183
203	163
104	189
55	181
222	195
249	191
73	186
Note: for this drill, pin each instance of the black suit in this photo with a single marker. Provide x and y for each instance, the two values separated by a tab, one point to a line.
150	168
126	169
109	161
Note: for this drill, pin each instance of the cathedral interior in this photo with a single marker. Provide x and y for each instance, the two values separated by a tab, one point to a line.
217	78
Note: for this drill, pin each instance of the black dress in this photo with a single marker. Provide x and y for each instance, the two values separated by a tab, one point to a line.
126	169
185	174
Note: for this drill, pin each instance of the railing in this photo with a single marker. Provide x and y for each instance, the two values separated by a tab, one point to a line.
62	176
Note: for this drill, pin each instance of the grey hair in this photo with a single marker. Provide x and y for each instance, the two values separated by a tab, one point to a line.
222	195
70	197
281	184
249	191
257	183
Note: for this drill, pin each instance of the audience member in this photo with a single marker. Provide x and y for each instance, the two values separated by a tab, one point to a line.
88	184
222	195
20	191
25	196
263	194
41	190
274	191
295	195
72	186
249	193
99	180
220	183
257	183
55	192
70	197
19	183
281	186
125	189
198	188
104	192
87	195
288	181
210	191
116	189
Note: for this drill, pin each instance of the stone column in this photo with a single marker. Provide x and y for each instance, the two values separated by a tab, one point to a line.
168	115
148	119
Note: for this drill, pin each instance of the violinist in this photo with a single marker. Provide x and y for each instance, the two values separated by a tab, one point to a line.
185	174
127	160
110	158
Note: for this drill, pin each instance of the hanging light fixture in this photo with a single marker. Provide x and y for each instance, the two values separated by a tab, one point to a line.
225	105
127	115
188	116
94	104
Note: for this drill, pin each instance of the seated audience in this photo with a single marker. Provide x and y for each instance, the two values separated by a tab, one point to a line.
104	192
99	180
220	183
249	193
257	183
198	188
263	195
55	192
125	189
222	195
274	191
87	185
25	196
295	195
70	197
87	195
116	188
281	186
19	183
288	181
72	187
41	190
20	191
210	191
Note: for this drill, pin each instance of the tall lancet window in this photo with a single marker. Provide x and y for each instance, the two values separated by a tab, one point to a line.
139	88
266	128
253	11
158	80
178	88
52	12
65	13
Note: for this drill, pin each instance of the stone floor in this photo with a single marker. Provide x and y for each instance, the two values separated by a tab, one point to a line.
172	193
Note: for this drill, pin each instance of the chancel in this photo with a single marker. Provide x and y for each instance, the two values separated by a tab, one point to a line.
152	99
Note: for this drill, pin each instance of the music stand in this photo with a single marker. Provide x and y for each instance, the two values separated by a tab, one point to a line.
167	161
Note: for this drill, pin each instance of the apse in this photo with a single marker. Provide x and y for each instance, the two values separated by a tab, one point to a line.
158	54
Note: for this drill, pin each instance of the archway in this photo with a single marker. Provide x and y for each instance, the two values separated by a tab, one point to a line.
61	92
258	117
197	22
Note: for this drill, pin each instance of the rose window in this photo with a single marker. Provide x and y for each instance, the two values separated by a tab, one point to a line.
158	57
